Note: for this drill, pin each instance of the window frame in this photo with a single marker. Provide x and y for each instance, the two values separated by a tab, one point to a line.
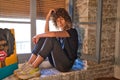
98	23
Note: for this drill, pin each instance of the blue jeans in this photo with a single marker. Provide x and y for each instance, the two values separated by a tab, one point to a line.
51	48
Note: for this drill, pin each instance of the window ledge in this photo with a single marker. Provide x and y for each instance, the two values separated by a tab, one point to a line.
50	73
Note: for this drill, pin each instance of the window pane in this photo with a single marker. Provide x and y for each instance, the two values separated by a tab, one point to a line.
41	26
22	36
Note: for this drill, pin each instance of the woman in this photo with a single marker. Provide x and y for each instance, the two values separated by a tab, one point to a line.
61	55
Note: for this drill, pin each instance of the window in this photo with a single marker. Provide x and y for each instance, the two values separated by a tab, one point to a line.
89	17
22	19
22	33
40	26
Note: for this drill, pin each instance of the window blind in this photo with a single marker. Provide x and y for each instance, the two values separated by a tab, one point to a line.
43	6
21	8
15	8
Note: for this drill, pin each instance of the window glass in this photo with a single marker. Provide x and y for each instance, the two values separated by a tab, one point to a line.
22	31
40	24
22	34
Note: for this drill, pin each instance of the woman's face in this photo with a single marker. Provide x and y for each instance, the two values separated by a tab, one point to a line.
60	22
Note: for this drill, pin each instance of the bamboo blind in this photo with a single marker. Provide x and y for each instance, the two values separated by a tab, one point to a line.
43	6
15	8
21	8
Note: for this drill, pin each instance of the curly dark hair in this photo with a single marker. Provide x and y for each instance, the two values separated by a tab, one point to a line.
61	12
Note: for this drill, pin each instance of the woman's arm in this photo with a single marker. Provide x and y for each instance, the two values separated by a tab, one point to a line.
50	34
54	34
47	26
47	20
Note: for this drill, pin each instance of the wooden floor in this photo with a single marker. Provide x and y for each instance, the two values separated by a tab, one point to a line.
105	78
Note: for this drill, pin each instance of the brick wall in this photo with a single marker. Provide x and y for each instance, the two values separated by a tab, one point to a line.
86	10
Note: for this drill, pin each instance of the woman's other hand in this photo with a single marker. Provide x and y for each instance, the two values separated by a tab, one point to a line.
35	39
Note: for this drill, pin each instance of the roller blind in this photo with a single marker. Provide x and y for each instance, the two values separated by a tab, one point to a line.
21	8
